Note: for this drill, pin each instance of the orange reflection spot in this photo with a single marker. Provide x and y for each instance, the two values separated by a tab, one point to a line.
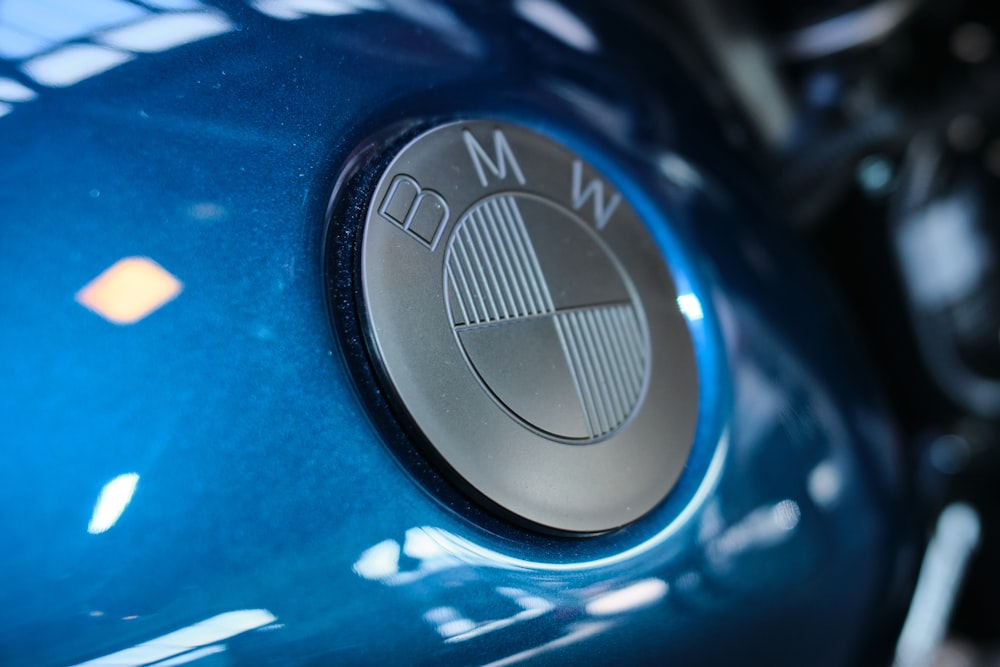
129	290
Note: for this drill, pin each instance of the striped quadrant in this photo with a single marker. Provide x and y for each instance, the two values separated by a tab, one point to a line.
493	271
606	353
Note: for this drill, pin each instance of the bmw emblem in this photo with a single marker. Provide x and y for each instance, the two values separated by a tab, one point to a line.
527	324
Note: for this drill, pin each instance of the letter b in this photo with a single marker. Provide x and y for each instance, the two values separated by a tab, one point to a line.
423	214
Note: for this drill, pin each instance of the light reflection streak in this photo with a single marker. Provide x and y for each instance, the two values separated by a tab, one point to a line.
531	606
161	32
381	561
762	527
578	633
210	631
173	5
112	501
558	22
956	537
448	621
679	171
868	24
641	594
291	10
42	29
191	656
14	91
73	63
16	44
83	40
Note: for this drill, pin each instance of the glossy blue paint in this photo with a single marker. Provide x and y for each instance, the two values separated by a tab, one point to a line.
263	483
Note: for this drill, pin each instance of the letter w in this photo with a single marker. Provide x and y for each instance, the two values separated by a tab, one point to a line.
498	166
595	188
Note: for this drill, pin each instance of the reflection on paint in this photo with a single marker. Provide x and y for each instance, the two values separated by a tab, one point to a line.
612	118
688	581
679	171
30	27
210	631
825	483
191	656
14	91
761	528
207	211
63	43
161	32
559	22
290	10
74	63
955	539
577	633
112	501
531	606
635	596
448	622
130	290
381	561
691	307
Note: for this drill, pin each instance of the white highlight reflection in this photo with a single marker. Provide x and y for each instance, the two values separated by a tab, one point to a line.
14	91
73	63
635	596
691	307
448	621
531	606
381	561
210	631
955	539
766	525
111	503
191	656
5	109
161	32
558	22
173	5
290	10
825	483
577	633
679	171
29	28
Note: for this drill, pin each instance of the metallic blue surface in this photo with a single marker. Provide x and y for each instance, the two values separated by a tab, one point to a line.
263	483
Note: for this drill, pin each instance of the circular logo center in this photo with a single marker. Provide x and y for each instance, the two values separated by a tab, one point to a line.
524	323
546	317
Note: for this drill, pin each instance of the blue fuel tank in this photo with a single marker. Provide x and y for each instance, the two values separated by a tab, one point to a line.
200	465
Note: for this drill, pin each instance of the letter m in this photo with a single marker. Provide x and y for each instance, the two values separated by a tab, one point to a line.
498	164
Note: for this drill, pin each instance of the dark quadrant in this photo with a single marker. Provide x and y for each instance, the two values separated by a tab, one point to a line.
523	364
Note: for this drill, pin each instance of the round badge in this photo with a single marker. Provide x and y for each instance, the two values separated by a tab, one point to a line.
526	321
